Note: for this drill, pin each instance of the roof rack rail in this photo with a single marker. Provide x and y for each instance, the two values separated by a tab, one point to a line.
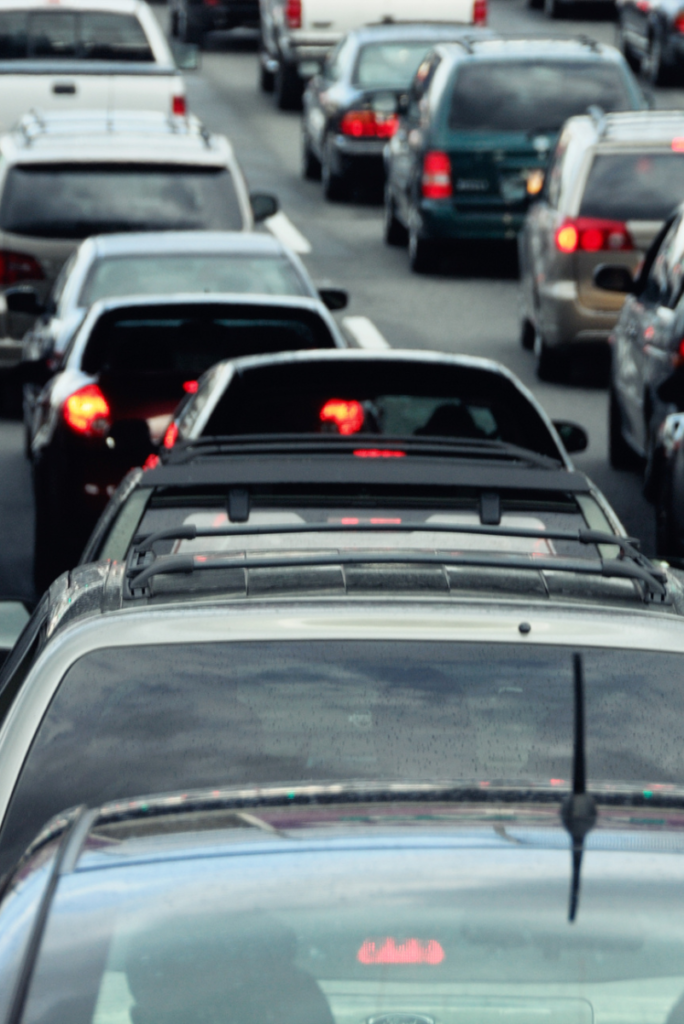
598	116
586	40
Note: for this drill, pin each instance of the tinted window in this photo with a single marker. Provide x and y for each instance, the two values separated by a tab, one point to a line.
73	201
152	719
166	275
525	96
89	35
389	64
634	186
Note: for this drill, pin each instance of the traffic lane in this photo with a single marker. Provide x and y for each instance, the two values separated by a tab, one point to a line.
16	514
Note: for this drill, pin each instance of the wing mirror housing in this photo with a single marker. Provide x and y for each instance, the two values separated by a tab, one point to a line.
130	441
186	56
24	299
334	298
613	278
574	437
264	205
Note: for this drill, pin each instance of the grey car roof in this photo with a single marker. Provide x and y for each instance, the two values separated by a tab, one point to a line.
419	31
142	243
632	127
533	49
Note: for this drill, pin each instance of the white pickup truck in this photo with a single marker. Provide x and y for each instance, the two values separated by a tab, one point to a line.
297	34
84	55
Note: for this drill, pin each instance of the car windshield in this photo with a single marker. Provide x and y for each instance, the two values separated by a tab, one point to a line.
189	272
380	398
389	64
146	719
633	186
523	96
75	201
72	35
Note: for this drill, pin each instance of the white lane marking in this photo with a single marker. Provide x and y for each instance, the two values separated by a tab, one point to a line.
365	333
284	230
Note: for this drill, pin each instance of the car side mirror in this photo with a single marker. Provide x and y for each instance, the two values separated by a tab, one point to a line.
130	441
186	56
334	298
24	299
13	617
613	278
264	205
574	437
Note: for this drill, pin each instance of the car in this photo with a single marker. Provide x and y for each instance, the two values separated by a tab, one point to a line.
192	20
65	177
168	262
297	35
436	900
118	384
351	106
442	658
650	37
482	119
667	490
84	55
612	182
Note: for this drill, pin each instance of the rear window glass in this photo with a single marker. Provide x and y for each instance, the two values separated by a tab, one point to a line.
167	275
634	186
86	35
151	719
389	64
540	96
75	201
189	345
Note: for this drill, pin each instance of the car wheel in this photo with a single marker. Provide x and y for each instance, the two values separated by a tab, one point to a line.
394	231
288	87
527	335
535	5
422	254
311	165
335	186
550	362
620	454
266	78
666	533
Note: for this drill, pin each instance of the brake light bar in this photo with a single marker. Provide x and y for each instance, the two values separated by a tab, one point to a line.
411	951
87	412
368	124
436	181
480	12
15	267
378	453
293	13
170	435
593	234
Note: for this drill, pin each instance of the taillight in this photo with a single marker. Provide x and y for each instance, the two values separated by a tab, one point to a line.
15	266
179	106
190	387
293	13
480	12
365	124
348	417
679	22
592	234
87	411
151	462
436	182
171	435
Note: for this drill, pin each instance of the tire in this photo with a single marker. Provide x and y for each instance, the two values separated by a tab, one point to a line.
335	186
666	539
311	165
527	335
288	87
422	254
551	364
620	454
394	231
535	5
266	78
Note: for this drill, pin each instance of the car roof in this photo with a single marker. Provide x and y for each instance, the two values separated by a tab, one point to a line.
531	49
115	6
142	243
631	128
406	31
116	137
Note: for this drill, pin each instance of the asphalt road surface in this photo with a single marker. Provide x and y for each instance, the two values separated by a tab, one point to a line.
471	307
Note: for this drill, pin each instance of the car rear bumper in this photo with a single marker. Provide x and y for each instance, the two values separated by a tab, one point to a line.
364	154
563	320
439	220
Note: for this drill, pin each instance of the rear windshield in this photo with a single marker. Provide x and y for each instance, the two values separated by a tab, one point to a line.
75	201
168	275
522	96
380	398
148	719
188	345
393	65
634	186
72	35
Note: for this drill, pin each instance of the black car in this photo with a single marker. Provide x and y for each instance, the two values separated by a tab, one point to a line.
119	382
191	20
481	118
652	38
351	108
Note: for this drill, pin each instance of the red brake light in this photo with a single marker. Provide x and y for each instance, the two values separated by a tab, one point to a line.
364	124
436	176
378	453
151	462
171	435
293	13
87	411
179	106
592	234
480	12
679	22
412	951
15	266
190	387
677	144
347	416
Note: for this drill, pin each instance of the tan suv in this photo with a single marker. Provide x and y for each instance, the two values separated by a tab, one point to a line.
611	183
